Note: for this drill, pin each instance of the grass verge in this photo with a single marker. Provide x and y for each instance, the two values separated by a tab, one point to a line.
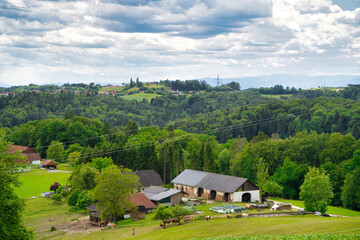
331	210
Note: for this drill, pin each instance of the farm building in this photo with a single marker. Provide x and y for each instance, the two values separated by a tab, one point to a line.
48	164
138	199
165	196
149	178
33	157
217	187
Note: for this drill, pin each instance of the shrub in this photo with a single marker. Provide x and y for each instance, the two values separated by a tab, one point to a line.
56	197
73	197
53	228
54	186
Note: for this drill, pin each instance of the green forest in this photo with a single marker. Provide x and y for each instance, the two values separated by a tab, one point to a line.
218	129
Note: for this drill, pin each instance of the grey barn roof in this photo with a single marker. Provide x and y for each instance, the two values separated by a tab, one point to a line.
155	193
149	177
208	180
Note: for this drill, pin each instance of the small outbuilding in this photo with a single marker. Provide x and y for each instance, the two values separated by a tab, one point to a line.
217	187
48	164
165	196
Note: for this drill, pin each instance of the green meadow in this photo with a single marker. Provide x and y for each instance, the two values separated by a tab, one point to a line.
223	227
141	96
37	181
331	210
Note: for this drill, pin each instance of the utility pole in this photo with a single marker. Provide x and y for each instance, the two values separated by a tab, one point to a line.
218	81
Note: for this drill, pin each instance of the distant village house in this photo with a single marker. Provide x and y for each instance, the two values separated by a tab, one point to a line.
48	164
165	196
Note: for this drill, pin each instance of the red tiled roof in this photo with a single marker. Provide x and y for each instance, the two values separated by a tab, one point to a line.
47	162
140	199
14	148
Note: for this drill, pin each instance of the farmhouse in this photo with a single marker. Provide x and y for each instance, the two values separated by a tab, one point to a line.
165	196
148	178
139	200
216	186
48	164
33	157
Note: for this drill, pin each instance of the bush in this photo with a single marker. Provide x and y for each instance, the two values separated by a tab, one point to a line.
59	189
53	228
54	186
84	199
56	197
64	193
73	197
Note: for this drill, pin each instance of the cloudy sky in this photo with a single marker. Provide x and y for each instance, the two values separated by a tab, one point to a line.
109	41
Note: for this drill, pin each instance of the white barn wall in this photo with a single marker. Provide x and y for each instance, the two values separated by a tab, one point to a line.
255	196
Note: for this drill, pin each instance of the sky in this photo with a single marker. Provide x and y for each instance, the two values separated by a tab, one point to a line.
111	41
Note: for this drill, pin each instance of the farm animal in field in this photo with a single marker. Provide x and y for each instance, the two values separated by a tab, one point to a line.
167	221
113	225
162	225
207	218
173	220
102	224
244	215
229	216
188	218
248	206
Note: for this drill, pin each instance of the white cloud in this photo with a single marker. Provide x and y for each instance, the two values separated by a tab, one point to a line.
67	40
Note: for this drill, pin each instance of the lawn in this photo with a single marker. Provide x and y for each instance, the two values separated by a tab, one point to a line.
223	227
64	167
141	96
117	89
37	181
41	214
276	95
331	209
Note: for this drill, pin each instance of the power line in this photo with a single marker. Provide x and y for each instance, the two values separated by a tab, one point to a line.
191	135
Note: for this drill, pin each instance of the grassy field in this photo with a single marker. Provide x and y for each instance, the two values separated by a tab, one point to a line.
37	181
331	209
41	214
276	96
64	167
223	227
141	96
116	89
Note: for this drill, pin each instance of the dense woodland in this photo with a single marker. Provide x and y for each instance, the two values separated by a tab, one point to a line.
224	132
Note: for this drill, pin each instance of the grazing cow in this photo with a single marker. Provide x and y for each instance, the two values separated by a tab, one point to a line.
248	206
207	218
188	218
162	225
113	225
173	220
167	221
102	224
244	215
229	216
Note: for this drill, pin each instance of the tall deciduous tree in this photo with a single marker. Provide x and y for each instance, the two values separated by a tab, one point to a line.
55	151
113	191
11	206
316	190
84	178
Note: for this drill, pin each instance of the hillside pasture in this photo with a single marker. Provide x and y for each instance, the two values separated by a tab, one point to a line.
331	209
140	96
223	227
38	180
113	88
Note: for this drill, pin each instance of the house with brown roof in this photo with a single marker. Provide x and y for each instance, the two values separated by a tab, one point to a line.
33	157
48	164
139	200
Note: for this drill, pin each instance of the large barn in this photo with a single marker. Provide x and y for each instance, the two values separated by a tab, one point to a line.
217	187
